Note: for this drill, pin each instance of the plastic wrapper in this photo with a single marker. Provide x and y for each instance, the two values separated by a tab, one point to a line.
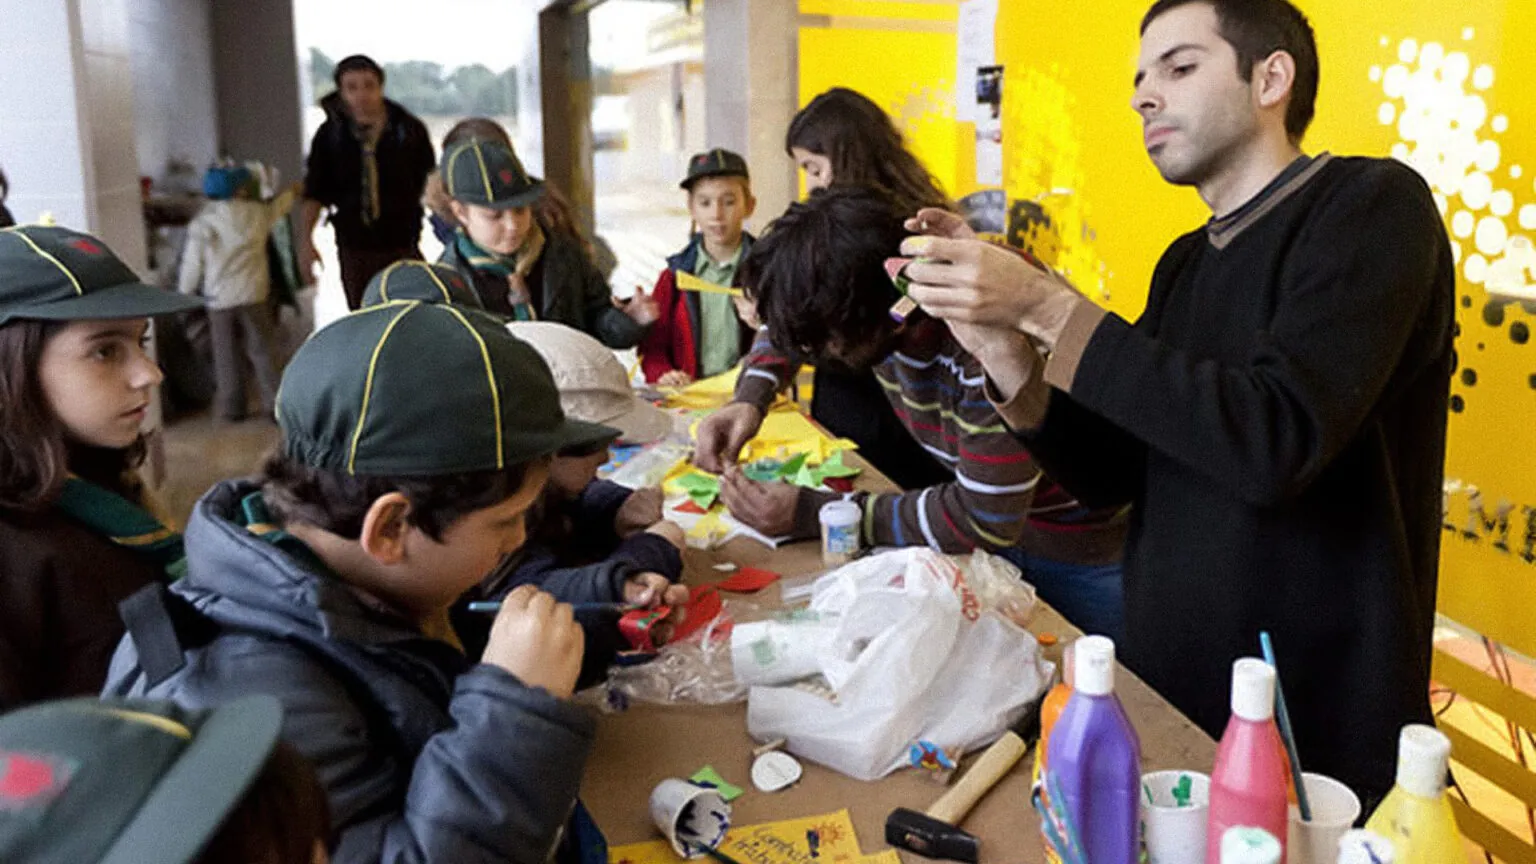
696	670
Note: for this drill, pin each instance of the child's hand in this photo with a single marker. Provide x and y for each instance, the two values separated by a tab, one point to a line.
675	378
639	511
746	310
536	639
653	589
671	532
641	308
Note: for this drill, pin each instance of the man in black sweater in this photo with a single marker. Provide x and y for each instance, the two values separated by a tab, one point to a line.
368	164
1277	415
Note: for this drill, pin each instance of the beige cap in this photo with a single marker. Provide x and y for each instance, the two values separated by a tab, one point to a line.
592	382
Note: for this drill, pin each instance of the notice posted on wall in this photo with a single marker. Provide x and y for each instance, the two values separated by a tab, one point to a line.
989	126
977	48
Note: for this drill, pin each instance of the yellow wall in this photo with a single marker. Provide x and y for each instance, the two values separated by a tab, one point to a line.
1067	124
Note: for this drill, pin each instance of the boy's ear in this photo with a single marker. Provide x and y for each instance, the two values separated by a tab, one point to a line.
384	528
460	211
751	203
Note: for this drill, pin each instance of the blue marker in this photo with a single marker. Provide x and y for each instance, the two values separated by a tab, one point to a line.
491	607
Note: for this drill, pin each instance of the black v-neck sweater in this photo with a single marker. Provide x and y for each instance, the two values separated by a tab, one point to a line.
1277	417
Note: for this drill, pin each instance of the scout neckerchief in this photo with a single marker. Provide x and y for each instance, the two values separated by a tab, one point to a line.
513	268
124	523
368	139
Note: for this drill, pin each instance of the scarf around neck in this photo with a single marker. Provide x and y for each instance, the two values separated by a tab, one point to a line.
513	268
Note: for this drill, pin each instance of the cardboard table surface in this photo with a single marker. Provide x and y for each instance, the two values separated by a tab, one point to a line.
640	747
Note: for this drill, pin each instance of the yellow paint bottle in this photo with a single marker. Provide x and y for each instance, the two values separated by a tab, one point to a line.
1416	815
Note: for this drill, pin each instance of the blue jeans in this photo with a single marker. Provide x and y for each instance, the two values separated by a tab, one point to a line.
1090	596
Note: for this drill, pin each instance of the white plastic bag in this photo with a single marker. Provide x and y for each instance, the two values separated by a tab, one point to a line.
916	655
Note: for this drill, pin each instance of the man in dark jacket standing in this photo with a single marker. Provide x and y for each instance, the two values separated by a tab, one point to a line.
1276	417
368	165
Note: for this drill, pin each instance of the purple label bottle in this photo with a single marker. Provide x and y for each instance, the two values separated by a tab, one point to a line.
1095	757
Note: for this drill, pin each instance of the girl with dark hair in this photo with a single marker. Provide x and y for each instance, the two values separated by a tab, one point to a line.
76	383
842	137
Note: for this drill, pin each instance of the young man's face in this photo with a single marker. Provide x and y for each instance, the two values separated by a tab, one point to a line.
1197	114
99	380
363	93
817	168
499	231
719	205
442	570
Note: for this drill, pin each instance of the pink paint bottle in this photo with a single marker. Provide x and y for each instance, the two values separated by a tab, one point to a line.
1248	783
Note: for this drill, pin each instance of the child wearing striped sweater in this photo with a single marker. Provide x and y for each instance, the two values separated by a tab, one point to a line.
818	280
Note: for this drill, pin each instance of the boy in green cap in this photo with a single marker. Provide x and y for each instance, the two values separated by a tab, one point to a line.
327	582
520	269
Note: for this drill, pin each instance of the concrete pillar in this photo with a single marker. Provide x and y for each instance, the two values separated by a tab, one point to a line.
67	138
256	67
752	82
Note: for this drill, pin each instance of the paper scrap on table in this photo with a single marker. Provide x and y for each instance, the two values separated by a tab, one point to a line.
772	843
748	580
708	776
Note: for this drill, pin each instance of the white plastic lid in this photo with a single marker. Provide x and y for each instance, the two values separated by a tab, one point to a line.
840	513
1248	845
1423	758
1094	666
1253	690
1365	847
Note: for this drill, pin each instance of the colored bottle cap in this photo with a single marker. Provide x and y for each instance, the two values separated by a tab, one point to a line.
1365	847
1094	665
1253	690
1247	845
1423	759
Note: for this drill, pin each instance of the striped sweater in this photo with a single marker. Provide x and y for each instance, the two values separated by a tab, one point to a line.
999	497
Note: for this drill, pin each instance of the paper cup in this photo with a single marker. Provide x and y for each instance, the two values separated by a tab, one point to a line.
1334	811
1174	834
765	653
689	816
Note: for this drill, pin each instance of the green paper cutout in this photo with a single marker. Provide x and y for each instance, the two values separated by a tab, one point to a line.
834	467
708	776
806	477
794	465
1183	791
763	470
701	488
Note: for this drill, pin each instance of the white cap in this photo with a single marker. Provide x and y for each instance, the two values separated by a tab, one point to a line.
592	382
1365	847
1247	845
1423	758
1094	665
1253	690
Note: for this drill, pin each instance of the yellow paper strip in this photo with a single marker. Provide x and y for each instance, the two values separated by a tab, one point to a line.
787	842
690	282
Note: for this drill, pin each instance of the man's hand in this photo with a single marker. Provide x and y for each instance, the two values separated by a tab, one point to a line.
722	435
972	282
767	507
650	590
641	308
537	640
675	378
639	511
670	532
938	222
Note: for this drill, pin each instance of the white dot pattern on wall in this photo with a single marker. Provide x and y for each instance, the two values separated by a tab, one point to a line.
1438	100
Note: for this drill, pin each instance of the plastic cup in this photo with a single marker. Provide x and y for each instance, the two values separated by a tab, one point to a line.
690	817
1174	832
839	532
1334	811
765	653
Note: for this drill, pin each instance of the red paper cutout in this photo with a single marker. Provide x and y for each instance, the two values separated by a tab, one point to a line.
690	507
704	605
747	580
637	624
839	484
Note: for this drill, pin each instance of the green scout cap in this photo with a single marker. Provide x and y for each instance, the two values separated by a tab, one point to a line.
418	389
488	174
55	274
714	163
121	781
418	280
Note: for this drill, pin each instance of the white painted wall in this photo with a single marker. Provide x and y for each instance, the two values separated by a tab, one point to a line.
175	108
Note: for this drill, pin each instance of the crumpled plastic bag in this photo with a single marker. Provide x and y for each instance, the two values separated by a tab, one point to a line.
913	646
